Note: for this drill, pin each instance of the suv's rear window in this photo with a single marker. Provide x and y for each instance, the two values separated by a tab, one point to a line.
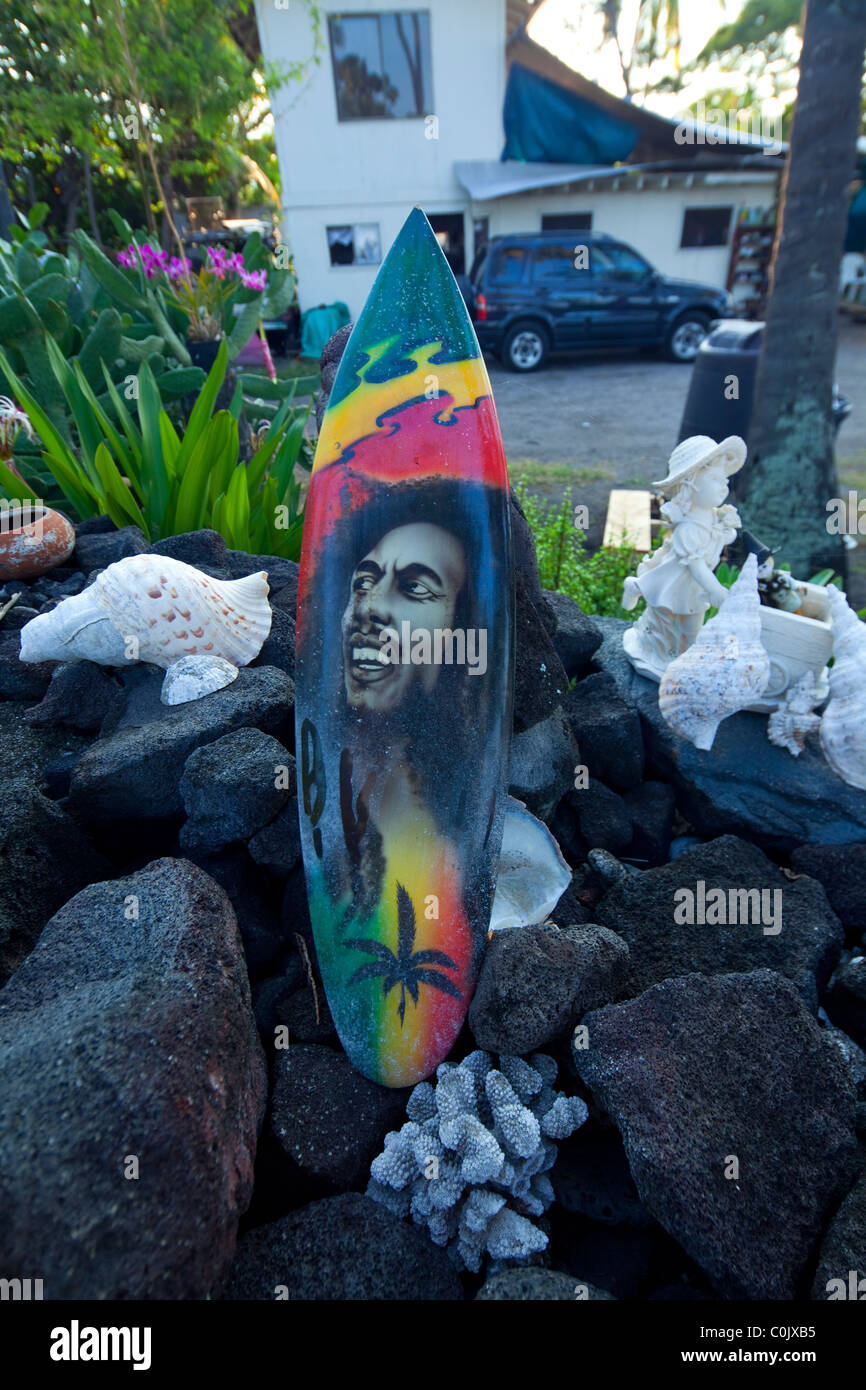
478	264
507	264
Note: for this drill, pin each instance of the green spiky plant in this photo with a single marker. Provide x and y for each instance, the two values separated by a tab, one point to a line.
97	313
141	471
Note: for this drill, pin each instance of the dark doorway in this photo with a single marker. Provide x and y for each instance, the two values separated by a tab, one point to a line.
450	234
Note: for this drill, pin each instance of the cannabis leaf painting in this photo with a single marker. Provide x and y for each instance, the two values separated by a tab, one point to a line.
407	969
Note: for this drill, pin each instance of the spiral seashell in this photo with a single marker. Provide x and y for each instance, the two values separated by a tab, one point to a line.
793	719
152	608
724	670
843	727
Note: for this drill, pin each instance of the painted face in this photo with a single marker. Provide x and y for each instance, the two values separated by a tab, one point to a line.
413	575
711	486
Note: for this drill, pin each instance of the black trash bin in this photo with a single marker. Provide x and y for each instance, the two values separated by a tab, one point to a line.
716	405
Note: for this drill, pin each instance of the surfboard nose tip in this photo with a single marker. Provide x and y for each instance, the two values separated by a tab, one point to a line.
417	224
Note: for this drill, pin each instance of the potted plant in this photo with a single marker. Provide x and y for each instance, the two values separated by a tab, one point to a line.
33	538
203	296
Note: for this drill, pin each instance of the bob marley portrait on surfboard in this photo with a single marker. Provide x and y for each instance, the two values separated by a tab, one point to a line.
404	669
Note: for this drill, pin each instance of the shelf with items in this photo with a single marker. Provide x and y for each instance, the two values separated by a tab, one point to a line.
751	251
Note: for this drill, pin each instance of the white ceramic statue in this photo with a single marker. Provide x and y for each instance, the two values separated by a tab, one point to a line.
677	580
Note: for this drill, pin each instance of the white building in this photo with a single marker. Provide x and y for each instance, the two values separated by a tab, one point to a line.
407	107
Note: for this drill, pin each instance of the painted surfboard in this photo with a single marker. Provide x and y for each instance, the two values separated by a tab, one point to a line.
404	669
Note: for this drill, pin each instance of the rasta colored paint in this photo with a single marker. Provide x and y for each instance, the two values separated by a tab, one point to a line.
404	669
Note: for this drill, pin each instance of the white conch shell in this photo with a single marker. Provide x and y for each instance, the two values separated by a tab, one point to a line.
843	727
724	670
532	873
195	676
793	718
152	608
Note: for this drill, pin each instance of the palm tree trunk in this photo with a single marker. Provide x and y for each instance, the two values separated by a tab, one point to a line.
791	474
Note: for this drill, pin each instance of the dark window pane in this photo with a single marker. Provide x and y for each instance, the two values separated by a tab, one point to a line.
341	245
508	264
566	221
382	66
706	226
554	262
357	58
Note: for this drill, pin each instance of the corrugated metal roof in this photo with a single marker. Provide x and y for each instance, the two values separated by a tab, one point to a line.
499	178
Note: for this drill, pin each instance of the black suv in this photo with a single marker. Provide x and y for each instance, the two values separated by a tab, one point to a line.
559	292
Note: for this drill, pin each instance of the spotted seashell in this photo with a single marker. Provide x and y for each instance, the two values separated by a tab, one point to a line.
843	727
155	609
724	670
195	676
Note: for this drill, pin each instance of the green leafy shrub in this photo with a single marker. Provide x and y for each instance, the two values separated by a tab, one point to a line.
96	312
142	472
595	581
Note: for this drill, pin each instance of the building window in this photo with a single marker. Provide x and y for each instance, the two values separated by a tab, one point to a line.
382	67
357	244
706	226
566	221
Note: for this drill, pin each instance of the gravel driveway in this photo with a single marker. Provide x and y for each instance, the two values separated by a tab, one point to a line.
600	422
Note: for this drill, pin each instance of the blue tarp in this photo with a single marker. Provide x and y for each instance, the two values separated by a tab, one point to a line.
855	238
545	122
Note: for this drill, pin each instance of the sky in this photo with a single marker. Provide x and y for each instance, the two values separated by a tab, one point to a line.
582	47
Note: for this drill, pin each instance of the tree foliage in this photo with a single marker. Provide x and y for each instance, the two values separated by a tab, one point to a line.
761	28
85	84
656	34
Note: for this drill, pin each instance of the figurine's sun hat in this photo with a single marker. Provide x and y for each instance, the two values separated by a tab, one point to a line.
695	453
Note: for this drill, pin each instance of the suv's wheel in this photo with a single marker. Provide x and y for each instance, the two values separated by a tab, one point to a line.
525	348
686	336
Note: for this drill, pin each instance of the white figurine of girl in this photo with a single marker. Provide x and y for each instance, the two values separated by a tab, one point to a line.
677	580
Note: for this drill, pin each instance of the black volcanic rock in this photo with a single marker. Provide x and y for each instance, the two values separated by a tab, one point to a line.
737	1117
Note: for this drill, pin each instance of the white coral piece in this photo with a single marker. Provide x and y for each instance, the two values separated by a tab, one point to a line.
524	1078
565	1116
518	1124
471	1161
